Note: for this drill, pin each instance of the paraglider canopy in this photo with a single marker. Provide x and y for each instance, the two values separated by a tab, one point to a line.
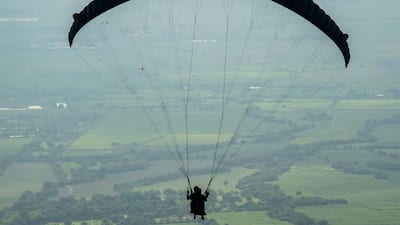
91	11
315	15
308	9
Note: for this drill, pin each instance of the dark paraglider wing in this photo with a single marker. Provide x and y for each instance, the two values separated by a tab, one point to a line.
317	16
92	10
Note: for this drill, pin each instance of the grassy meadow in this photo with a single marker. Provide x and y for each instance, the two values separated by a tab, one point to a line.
22	177
202	180
105	186
12	146
371	201
238	218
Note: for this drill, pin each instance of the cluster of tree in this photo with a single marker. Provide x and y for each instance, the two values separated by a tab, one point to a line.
313	201
390	155
356	94
256	193
5	162
384	165
95	168
394	92
316	116
128	208
61	176
122	187
145	181
281	134
269	196
257	113
144	207
36	208
356	167
375	168
26	154
366	130
276	203
371	125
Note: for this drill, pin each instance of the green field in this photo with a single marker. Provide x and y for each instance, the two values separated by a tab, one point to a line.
127	127
202	180
370	200
345	123
21	177
135	127
12	146
361	156
89	222
353	214
325	131
388	133
105	186
240	218
250	218
231	218
368	104
291	104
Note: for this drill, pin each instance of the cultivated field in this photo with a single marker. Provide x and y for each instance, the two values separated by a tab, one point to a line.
371	201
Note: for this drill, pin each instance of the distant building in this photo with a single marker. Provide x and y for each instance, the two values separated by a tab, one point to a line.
34	107
61	105
204	41
16	136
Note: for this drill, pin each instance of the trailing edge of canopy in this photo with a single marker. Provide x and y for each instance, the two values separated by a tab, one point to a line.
317	16
91	11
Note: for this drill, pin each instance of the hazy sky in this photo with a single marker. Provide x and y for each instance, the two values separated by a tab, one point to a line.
43	26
